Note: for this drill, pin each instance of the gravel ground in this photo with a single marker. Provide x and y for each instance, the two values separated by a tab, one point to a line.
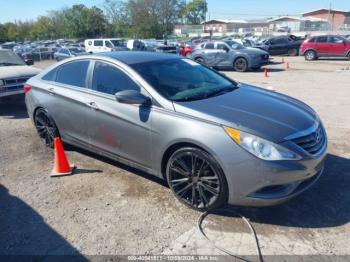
110	209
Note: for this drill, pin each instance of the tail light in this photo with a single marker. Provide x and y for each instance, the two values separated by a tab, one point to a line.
26	88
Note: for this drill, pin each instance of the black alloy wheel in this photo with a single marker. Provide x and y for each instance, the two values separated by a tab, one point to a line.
46	128
196	179
240	65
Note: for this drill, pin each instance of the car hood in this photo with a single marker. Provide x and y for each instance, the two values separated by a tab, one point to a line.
252	50
264	113
7	72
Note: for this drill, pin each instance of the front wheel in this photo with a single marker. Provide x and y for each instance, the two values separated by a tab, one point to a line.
199	60
293	52
196	179
240	65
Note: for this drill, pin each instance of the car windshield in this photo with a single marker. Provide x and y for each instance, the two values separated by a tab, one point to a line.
234	45
121	43
8	58
183	80
75	50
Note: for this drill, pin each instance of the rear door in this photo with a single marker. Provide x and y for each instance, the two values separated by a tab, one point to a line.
278	46
68	101
337	46
98	46
223	55
120	129
209	53
322	46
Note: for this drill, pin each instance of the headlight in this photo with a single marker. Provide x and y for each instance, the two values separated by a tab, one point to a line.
261	148
1	82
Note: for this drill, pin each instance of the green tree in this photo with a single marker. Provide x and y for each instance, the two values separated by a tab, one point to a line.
195	11
118	16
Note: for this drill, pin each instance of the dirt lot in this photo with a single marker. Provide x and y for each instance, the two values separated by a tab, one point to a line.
107	208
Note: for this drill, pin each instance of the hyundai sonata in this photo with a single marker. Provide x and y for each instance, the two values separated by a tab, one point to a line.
212	139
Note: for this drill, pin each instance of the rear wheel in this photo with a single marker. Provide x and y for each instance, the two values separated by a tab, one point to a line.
196	179
199	60
240	65
293	52
45	127
310	55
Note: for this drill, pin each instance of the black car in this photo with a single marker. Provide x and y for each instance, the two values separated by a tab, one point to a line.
67	52
282	45
38	54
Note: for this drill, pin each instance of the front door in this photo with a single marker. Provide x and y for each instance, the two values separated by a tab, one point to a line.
337	46
120	129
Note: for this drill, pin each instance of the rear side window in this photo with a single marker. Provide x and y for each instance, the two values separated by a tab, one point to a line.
109	80
98	43
73	73
209	46
335	40
51	76
322	39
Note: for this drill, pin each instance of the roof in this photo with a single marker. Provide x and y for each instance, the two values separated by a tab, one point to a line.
325	10
225	21
286	17
136	57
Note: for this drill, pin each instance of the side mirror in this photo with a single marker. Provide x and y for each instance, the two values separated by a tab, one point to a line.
29	62
132	97
226	49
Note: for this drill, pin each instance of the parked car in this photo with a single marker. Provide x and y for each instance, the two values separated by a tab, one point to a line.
68	52
325	46
212	139
8	45
186	50
166	49
105	45
14	72
230	54
281	45
37	54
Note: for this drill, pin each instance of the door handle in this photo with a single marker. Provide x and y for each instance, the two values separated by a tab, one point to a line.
93	105
51	91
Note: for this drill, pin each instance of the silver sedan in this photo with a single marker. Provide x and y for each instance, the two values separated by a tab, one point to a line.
212	139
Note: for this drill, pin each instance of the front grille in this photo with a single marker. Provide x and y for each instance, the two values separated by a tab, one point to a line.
313	142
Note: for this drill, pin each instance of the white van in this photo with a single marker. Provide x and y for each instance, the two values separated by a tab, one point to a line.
104	45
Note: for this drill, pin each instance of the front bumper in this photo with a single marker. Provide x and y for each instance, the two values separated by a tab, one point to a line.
255	182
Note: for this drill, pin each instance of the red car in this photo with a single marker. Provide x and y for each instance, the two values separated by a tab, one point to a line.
325	46
186	50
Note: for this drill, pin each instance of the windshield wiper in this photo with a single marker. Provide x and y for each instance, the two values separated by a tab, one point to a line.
221	92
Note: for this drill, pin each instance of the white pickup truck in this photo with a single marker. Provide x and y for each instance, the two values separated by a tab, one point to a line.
14	73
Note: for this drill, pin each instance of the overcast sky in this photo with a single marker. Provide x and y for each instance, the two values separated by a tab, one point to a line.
224	9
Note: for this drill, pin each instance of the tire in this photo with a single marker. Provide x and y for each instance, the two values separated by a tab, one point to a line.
240	64
293	52
310	55
199	60
196	179
45	127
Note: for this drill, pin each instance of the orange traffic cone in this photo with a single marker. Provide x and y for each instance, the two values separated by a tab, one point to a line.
266	72
61	165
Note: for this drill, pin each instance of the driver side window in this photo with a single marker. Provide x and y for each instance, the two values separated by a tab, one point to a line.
109	80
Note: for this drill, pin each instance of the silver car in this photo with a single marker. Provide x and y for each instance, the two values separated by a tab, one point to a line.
212	139
230	54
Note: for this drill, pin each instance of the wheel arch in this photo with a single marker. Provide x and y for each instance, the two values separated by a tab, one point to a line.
310	49
239	57
175	146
